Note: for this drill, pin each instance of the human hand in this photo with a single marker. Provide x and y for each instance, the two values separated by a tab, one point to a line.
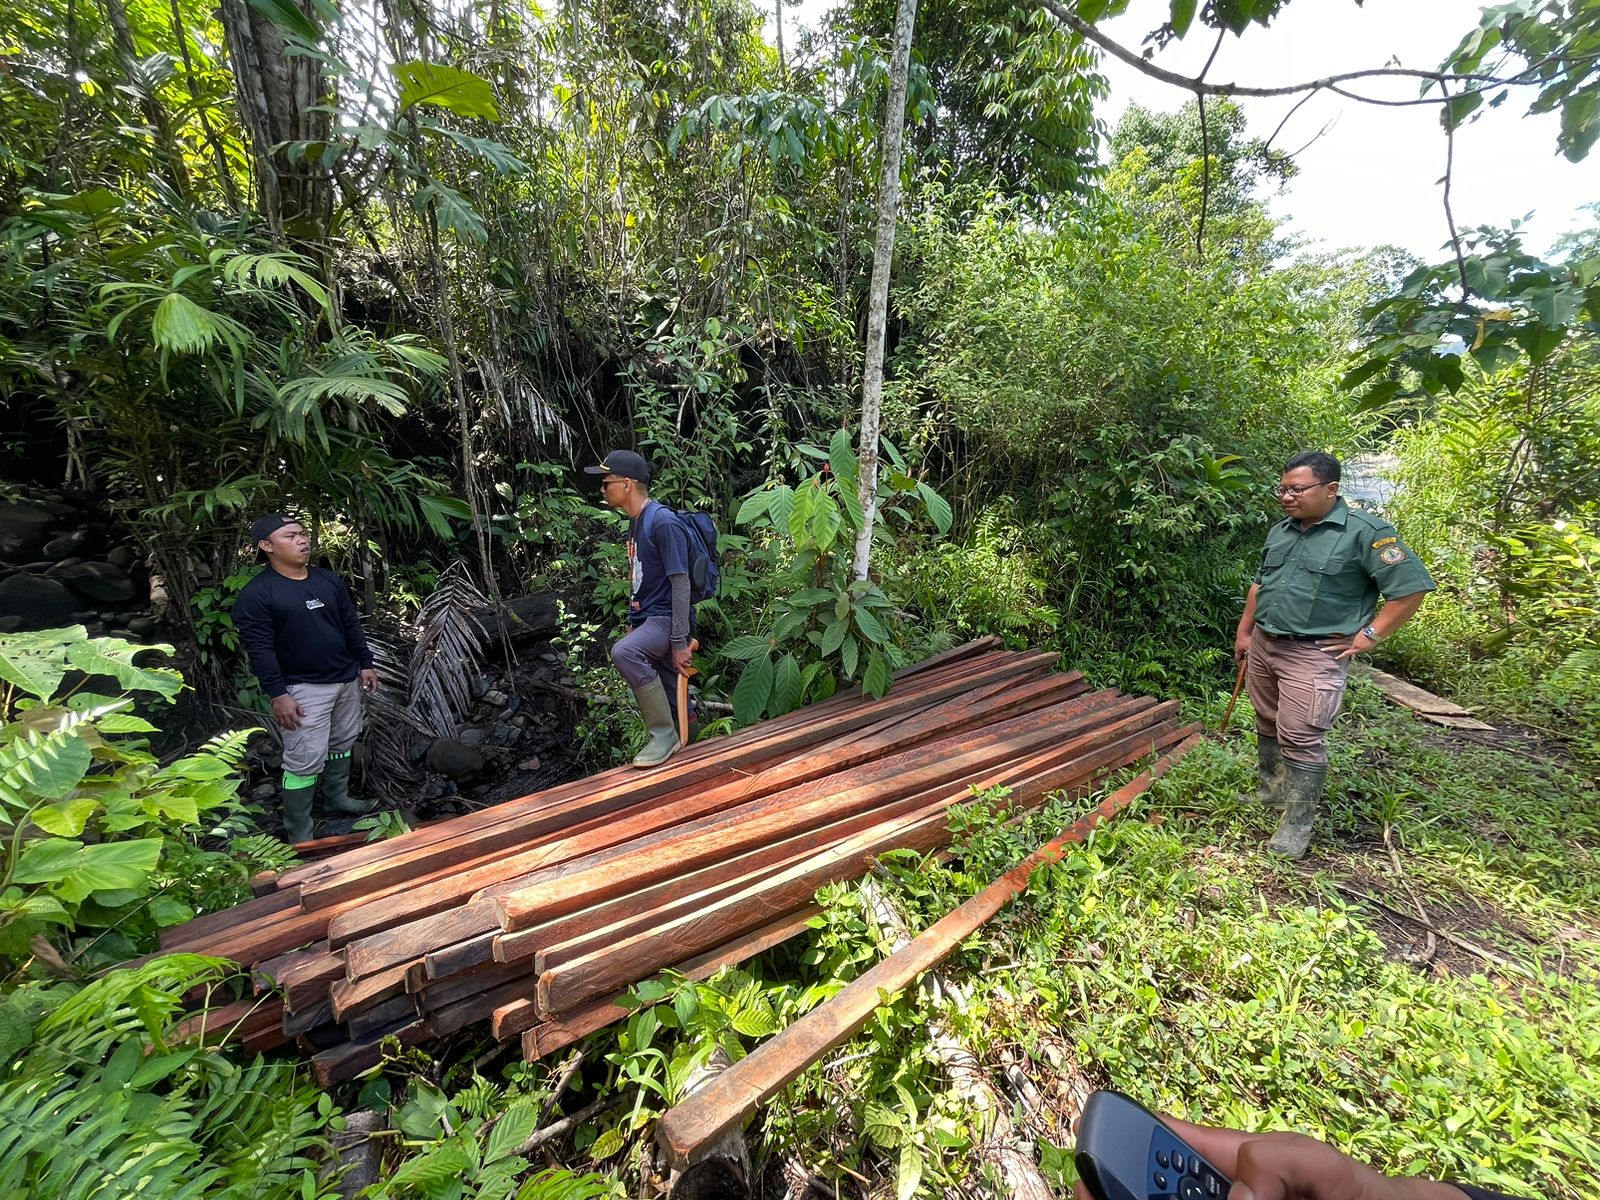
1346	648
287	712
1241	645
1291	1166
683	661
369	680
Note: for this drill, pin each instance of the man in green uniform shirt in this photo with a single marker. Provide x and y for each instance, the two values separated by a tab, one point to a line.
1312	608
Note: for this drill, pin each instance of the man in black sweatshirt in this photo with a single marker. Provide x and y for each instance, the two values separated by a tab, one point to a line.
301	630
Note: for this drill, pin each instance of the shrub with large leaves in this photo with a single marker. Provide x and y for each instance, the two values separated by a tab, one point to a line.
93	826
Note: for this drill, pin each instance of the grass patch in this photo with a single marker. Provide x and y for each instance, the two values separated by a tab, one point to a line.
1172	959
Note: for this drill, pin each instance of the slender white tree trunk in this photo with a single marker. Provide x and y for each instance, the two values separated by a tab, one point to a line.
894	122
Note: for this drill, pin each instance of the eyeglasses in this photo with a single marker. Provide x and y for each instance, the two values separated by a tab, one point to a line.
1293	492
605	483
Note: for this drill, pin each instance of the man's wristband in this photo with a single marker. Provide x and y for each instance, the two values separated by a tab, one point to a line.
1371	634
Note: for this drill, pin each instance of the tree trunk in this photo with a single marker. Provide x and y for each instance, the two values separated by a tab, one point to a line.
278	100
894	121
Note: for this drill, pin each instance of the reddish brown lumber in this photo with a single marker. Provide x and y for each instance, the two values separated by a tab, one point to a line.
348	1060
380	1016
646	861
359	871
470	983
549	1036
725	1101
348	997
198	931
456	958
219	1024
307	1018
263	883
409	942
336	843
454	1017
608	968
303	977
691	887
617	832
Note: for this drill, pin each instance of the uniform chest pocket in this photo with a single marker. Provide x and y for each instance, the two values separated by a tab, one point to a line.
1336	575
1272	559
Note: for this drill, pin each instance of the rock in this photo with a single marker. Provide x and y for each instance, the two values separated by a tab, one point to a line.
359	1151
123	556
99	581
455	758
504	734
550	658
24	528
37	568
495	699
143	626
474	735
478	686
10	624
38	602
107	616
67	545
530	764
87	617
55	570
263	792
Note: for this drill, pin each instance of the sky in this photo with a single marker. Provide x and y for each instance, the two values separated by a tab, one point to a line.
1369	175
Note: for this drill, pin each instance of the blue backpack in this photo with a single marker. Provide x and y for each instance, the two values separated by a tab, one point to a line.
704	564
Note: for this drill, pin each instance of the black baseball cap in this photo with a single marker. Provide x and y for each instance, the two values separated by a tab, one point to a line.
624	463
264	527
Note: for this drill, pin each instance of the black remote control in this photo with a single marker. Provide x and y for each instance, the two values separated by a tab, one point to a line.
1126	1153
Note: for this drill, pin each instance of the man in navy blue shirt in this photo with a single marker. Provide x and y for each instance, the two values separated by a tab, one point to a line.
656	649
301	630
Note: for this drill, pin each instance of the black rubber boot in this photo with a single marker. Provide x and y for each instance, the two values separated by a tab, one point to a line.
336	786
1269	769
657	712
297	810
1302	793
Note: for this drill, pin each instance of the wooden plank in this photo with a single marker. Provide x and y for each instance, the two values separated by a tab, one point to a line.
602	877
347	997
198	931
539	1040
308	1017
725	1102
572	983
409	942
455	1017
1420	700
500	872
447	843
350	1059
381	1016
452	960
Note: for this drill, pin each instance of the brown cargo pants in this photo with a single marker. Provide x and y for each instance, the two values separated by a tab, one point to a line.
1296	688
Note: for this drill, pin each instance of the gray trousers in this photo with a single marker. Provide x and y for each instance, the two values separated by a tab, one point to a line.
646	654
332	722
1297	689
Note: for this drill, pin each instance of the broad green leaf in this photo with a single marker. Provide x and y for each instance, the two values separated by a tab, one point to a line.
850	502
833	635
75	872
876	679
786	687
38	766
753	508
438	510
849	653
462	92
938	507
908	1174
36	662
746	647
805	500
196	767
65	818
754	688
825	521
180	326
114	657
286	15
168	910
453	210
1182	16
871	628
512	1129
780	506
842	459
608	1143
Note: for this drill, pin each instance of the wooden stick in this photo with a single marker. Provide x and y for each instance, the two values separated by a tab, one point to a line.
683	697
1238	686
726	1102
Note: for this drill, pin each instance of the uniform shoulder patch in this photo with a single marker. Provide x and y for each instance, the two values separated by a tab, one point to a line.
1391	554
1382	542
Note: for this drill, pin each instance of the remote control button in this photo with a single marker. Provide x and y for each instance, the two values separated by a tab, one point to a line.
1161	1181
1189	1189
1177	1161
1161	1159
1213	1188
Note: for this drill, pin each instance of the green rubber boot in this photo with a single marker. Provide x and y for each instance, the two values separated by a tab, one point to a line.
1269	769
296	793
336	786
1302	792
657	712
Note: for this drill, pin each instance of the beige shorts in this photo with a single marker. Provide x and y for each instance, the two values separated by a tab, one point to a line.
1296	688
332	722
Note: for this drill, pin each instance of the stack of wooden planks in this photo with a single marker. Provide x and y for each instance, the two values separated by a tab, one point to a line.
538	915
